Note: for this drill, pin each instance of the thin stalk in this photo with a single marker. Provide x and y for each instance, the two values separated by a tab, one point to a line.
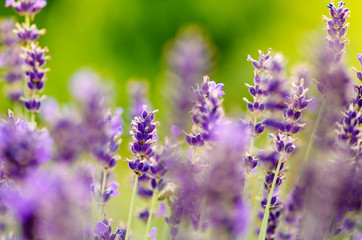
311	139
103	187
264	223
165	232
149	220
27	20
193	155
251	148
245	184
32	120
130	214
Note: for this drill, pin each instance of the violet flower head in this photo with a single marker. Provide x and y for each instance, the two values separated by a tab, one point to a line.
359	73
110	190
35	59
189	59
206	112
103	231
28	34
187	195
22	148
223	181
26	7
99	129
38	218
348	129
12	62
332	201
144	136
336	29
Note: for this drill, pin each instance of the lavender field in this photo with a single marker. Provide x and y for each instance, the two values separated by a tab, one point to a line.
91	158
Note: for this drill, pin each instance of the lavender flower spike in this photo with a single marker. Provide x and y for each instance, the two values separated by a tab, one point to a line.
22	149
337	29
26	7
206	112
12	62
189	59
359	73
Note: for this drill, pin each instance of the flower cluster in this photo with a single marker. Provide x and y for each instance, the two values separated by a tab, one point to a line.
26	7
68	191
103	231
58	182
22	149
34	56
189	59
144	136
11	60
337	29
206	112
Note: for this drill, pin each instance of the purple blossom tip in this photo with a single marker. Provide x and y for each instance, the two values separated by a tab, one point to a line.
161	210
359	57
153	233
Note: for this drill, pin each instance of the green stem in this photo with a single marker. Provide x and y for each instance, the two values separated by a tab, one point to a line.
165	232
245	184
27	20
103	189
251	148
193	155
32	120
130	214
149	220
264	223
311	139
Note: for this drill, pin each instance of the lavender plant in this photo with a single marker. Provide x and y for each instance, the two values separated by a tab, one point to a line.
57	182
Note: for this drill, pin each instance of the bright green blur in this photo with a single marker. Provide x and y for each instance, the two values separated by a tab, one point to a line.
125	39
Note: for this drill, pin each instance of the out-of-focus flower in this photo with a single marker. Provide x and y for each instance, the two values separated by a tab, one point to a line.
28	34
110	189
225	211
32	202
12	62
153	233
138	92
336	30
209	190
22	149
26	7
103	231
189	59
359	73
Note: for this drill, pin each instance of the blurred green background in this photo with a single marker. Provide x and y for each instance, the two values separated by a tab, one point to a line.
125	39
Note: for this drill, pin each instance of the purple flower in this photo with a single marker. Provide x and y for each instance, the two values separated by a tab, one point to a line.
22	148
206	112
223	183
143	138
359	73
336	29
32	202
11	61
26	7
189	59
99	130
153	233
161	210
28	34
103	231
